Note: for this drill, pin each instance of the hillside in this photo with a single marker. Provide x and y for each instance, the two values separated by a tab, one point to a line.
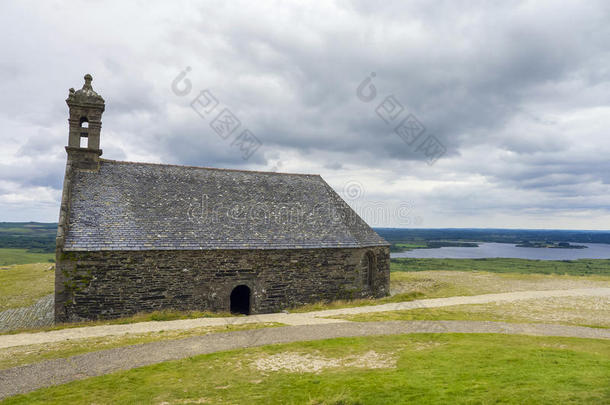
36	237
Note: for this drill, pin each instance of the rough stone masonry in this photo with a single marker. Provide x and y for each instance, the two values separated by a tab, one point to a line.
136	237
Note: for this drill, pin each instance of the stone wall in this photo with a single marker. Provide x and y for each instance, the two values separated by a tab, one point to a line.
110	284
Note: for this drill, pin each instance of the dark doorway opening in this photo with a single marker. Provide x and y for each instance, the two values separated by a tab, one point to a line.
240	300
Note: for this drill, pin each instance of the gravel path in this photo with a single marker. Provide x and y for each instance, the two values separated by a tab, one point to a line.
307	318
28	378
38	315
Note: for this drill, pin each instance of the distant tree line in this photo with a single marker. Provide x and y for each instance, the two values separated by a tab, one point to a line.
36	237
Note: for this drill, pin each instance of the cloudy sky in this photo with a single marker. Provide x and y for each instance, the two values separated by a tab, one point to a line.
511	101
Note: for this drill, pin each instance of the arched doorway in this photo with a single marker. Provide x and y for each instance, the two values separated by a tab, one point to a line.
240	300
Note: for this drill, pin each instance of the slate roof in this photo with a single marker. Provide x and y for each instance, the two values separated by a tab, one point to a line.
143	206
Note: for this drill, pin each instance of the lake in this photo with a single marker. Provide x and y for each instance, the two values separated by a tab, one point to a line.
508	250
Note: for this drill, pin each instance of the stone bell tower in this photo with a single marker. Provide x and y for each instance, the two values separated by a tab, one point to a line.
86	108
85	122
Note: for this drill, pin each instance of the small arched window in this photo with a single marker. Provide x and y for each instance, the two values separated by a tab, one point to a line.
84	122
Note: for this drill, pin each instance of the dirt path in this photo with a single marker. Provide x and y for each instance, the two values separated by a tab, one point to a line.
308	318
28	378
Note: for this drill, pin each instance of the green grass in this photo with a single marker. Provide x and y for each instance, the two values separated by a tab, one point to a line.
22	256
582	267
404	247
410	245
22	285
21	355
429	369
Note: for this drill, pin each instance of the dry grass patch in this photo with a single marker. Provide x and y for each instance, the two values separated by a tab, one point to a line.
436	284
186	401
410	286
582	311
294	362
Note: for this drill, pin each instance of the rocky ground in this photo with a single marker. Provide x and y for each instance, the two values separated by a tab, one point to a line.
38	315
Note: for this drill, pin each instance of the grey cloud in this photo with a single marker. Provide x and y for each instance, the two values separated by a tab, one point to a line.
497	83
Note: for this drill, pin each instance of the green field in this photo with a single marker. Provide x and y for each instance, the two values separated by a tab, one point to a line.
422	369
582	267
23	256
24	277
21	285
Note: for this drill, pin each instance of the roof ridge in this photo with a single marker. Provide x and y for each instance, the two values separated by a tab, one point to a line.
207	168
